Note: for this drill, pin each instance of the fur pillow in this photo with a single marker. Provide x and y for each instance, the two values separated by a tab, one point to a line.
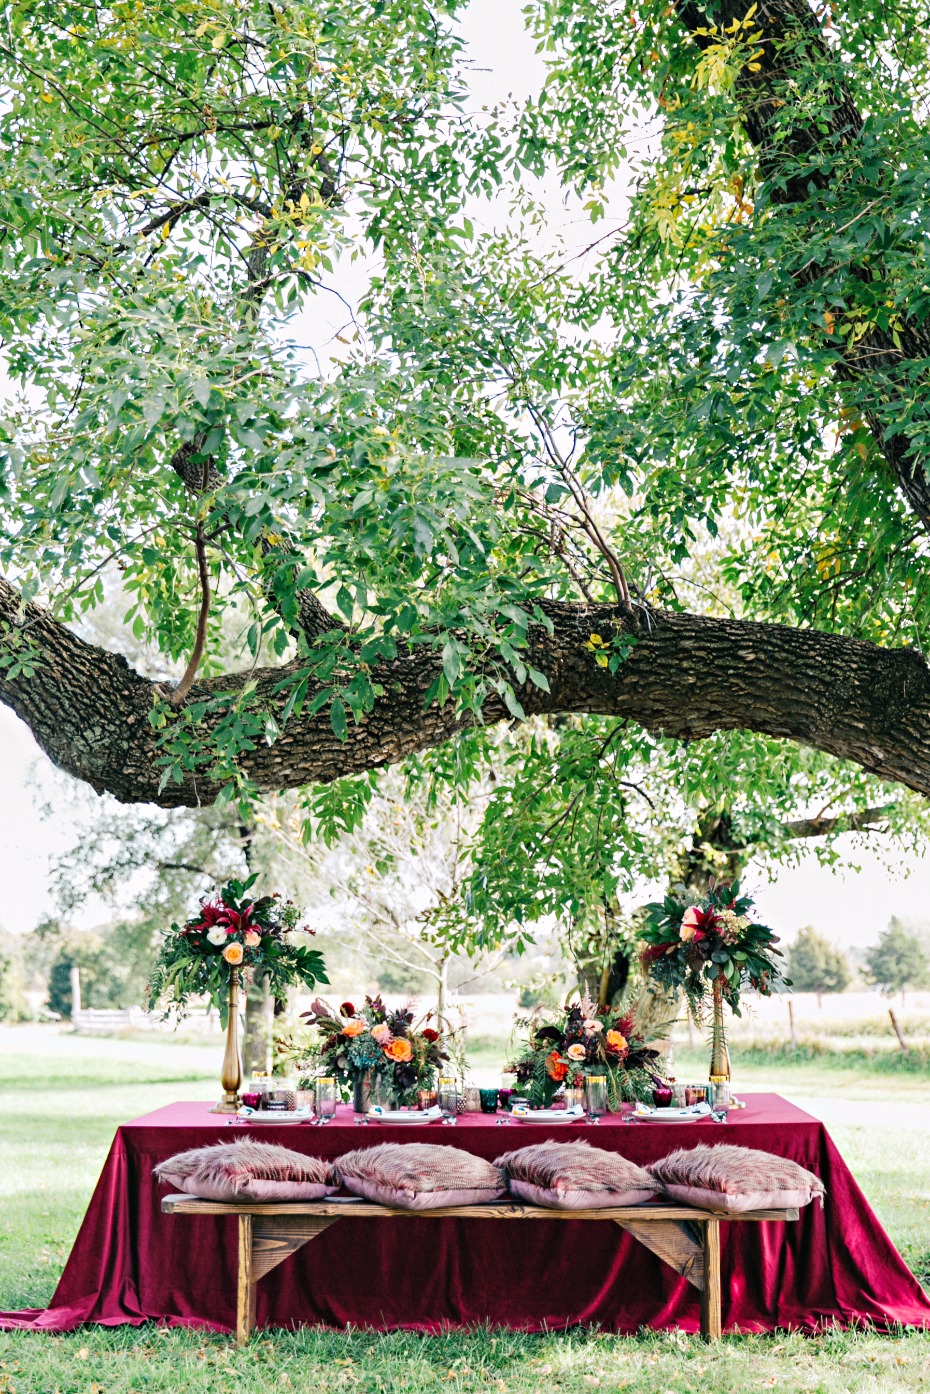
575	1176
248	1170
734	1179
420	1176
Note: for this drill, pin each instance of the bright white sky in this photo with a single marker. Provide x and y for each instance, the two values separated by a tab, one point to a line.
849	907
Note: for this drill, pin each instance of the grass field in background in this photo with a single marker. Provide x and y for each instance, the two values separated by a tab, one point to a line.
63	1104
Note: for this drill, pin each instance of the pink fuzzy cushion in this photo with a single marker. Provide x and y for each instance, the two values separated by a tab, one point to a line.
734	1179
248	1170
577	1200
419	1200
420	1176
575	1176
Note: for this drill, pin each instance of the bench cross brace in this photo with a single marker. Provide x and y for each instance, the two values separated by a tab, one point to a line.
264	1242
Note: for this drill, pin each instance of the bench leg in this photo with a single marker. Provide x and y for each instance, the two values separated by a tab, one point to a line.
711	1316
245	1288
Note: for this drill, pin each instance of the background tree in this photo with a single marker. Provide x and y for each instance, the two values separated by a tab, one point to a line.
899	960
103	984
14	1004
382	880
397	879
816	965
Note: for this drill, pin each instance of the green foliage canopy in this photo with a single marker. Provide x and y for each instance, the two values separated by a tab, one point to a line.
700	412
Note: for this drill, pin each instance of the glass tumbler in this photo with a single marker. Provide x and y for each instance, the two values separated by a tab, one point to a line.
595	1097
489	1099
447	1097
326	1098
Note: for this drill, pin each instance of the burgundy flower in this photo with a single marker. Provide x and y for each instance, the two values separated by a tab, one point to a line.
347	1009
430	1035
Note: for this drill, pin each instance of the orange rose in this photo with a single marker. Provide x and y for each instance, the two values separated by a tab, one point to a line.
233	954
399	1050
354	1028
555	1068
616	1040
690	924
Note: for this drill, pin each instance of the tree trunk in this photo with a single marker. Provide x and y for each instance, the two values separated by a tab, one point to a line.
686	677
258	1028
718	851
442	990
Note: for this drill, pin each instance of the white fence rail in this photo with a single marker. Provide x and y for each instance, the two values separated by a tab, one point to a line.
111	1019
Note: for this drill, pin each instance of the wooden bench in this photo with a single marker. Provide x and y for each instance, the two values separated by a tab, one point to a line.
687	1239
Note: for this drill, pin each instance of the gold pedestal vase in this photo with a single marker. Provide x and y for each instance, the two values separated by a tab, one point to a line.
231	1078
719	1054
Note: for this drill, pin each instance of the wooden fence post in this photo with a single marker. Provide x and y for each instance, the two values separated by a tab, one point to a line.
897	1030
794	1036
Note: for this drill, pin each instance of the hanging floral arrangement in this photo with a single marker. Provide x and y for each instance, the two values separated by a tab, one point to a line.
233	933
710	945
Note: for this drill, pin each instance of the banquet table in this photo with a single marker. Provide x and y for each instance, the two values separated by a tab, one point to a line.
130	1263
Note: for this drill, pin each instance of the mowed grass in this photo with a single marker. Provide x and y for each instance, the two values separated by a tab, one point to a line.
61	1108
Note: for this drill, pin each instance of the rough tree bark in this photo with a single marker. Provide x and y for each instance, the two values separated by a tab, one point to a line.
687	676
791	41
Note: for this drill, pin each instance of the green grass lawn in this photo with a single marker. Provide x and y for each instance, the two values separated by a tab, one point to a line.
59	1114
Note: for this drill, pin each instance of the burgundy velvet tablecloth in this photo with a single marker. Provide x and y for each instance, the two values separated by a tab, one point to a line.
130	1263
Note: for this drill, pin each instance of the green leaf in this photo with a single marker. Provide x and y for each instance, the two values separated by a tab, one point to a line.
337	717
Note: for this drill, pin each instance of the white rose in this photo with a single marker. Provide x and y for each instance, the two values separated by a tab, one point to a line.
217	935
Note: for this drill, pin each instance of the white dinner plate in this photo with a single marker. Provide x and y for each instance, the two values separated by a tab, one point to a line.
550	1115
411	1116
262	1117
672	1115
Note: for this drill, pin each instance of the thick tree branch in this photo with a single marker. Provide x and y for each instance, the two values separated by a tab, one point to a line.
866	820
176	697
687	676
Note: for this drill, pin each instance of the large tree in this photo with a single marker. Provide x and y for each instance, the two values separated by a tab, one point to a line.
679	483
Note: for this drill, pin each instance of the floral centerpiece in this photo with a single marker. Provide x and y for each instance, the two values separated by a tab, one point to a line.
710	944
232	937
586	1039
375	1045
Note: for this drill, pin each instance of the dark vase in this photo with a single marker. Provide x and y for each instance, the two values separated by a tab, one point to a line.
361	1092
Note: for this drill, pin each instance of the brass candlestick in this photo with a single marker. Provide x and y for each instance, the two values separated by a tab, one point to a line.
231	1078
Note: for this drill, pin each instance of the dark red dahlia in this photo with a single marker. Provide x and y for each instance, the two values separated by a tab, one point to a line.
430	1035
347	1009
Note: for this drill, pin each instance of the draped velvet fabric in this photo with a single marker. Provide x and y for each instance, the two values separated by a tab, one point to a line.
130	1263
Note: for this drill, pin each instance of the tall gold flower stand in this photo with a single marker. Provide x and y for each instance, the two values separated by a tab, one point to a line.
231	1078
